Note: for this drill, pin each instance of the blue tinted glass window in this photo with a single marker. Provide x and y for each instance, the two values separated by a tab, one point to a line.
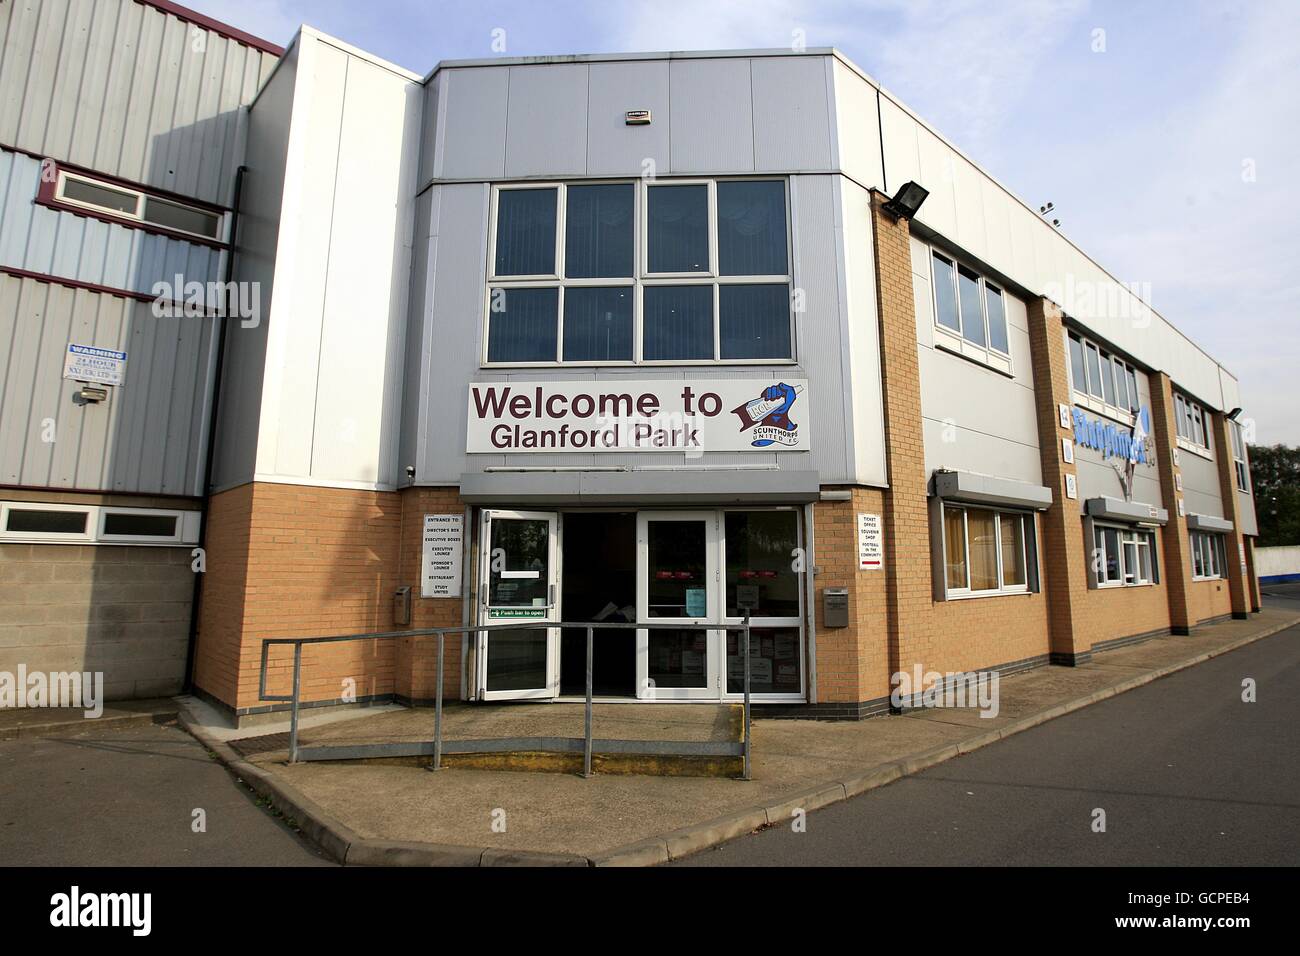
945	294
755	321
997	320
598	324
525	232
751	229
972	312
598	232
678	323
521	325
678	228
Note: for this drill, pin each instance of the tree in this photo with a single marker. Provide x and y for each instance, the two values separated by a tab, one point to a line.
1275	480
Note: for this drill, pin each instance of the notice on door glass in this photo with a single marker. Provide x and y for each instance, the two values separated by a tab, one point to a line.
871	543
440	557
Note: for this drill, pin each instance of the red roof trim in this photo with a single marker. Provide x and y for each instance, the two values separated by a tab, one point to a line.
216	26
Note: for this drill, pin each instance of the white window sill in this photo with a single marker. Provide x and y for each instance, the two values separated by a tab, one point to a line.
1195	449
975	595
1113	412
946	341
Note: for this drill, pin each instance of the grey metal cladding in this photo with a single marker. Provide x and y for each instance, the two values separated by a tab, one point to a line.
146	438
85	249
124	88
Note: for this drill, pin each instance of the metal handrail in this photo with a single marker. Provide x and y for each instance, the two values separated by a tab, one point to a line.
488	744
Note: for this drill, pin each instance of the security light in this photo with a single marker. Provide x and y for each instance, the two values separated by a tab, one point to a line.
906	201
1232	415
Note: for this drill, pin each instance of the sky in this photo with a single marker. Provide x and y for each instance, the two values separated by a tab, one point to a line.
1167	132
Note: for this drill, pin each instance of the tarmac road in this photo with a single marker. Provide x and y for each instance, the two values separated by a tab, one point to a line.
1186	772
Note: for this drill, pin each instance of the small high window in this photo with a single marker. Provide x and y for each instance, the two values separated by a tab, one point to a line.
969	306
127	205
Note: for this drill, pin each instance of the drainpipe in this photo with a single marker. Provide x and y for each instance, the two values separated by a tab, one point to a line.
196	597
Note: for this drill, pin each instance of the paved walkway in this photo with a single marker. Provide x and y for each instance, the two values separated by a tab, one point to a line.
648	819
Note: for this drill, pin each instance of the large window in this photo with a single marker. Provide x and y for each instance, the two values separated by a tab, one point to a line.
985	552
1123	556
1096	373
626	273
1239	457
1191	422
969	306
1207	555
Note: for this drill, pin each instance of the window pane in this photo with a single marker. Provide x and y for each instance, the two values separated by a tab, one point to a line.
186	218
945	296
1098	563
525	232
773	661
521	325
954	546
1130	559
972	313
1111	539
1133	402
760	546
598	231
997	320
105	197
981	530
1078	374
1108	379
1198	556
46	522
676	567
677	658
1094	372
134	523
598	324
678	322
1199	424
755	321
516	660
1121	385
678	228
1144	559
751	229
1013	550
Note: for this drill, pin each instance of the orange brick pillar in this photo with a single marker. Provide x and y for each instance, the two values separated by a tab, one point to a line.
1235	543
1065	555
1252	578
1176	571
908	595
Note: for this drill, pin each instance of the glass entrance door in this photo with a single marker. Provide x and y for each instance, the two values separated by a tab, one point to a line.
518	582
677	583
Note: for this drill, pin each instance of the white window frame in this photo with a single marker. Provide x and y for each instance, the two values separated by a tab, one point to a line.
1139	538
641	278
1121	371
1192	426
186	533
1239	462
1211	548
1028	527
954	341
142	198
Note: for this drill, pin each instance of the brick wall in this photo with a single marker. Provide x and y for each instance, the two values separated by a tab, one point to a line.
298	561
123	611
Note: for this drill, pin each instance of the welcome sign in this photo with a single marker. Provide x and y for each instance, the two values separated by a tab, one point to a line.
686	415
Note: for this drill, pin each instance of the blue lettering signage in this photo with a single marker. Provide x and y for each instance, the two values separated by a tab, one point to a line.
1111	440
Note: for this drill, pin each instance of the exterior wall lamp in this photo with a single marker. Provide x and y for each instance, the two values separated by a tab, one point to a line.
906	201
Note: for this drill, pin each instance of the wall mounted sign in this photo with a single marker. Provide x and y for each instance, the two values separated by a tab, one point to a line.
1064	411
1071	486
1181	512
440	556
688	415
1112	440
871	543
1067	450
85	363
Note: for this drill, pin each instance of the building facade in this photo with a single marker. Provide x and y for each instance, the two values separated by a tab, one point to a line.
642	339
